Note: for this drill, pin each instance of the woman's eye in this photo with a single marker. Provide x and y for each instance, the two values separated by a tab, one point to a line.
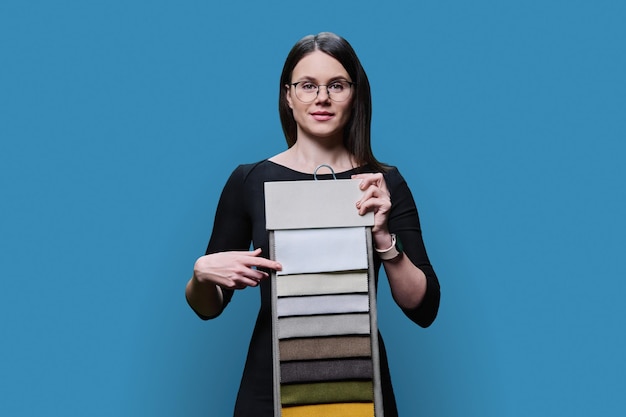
308	86
336	87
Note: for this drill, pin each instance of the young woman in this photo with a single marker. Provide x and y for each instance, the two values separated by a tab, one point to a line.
325	110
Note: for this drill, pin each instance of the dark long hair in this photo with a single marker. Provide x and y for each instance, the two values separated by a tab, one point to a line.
356	135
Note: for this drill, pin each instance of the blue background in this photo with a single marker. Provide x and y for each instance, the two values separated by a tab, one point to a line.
120	122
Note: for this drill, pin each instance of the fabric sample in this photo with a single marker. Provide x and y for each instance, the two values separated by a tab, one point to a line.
330	410
321	250
338	324
322	304
325	370
288	204
304	247
327	392
325	348
325	283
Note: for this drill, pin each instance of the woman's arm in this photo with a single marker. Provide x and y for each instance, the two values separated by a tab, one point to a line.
206	299
228	265
407	282
231	270
413	282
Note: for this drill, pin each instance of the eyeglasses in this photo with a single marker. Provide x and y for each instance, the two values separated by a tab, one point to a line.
338	91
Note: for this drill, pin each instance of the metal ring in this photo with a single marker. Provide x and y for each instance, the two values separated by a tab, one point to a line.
327	166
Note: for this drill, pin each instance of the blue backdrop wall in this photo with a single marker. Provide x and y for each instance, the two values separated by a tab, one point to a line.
120	122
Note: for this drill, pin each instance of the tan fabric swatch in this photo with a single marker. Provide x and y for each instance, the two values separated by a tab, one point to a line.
324	283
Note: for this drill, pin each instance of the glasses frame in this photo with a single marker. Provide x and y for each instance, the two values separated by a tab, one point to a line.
317	93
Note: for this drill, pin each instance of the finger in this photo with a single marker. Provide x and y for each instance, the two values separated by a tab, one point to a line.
261	262
379	196
368	179
374	197
366	175
254	277
374	191
255	274
264	263
379	205
255	252
250	282
249	278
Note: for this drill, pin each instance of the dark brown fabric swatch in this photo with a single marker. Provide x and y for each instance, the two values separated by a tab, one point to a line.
325	370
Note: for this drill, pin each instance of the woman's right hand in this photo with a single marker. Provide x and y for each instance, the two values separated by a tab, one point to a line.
233	269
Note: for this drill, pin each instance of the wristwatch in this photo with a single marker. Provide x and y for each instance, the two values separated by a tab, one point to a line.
393	252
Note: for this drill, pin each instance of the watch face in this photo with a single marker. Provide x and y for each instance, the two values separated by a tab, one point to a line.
399	246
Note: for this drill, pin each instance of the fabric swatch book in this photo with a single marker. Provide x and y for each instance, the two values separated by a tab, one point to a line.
325	335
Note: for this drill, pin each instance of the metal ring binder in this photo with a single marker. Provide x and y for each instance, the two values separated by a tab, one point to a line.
332	171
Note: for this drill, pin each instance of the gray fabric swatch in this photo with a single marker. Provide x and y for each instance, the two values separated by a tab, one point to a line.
310	326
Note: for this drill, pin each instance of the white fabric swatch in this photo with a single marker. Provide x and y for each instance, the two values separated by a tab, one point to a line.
321	250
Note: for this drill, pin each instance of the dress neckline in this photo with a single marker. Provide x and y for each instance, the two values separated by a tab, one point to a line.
342	173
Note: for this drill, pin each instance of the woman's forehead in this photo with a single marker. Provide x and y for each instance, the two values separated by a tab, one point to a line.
319	66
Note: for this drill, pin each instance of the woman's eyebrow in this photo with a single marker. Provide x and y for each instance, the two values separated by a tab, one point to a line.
315	80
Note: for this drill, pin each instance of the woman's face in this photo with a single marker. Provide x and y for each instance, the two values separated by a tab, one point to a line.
322	117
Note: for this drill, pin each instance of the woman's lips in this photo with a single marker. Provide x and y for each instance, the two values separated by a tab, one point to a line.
322	115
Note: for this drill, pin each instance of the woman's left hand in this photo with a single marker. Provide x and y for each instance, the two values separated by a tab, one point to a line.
376	198
407	281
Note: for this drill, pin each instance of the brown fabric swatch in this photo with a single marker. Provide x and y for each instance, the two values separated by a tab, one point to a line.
325	347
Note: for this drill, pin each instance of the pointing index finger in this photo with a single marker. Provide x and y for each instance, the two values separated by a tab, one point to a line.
260	262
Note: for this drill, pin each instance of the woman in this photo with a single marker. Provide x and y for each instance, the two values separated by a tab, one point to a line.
325	110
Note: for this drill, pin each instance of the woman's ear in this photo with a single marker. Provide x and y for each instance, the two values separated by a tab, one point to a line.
288	96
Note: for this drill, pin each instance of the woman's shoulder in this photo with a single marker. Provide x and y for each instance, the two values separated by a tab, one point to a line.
394	179
264	170
247	168
390	172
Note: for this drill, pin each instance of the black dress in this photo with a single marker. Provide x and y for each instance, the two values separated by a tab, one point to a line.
240	220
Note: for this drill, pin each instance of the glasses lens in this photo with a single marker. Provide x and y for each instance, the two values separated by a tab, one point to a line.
306	91
339	90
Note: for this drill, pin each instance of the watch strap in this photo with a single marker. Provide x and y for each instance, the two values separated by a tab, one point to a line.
391	252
